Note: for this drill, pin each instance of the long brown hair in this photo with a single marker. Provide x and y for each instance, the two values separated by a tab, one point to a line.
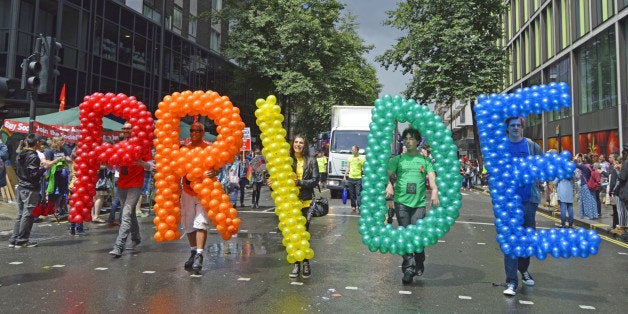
306	147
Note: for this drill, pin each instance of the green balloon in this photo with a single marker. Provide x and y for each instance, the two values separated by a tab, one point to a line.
414	238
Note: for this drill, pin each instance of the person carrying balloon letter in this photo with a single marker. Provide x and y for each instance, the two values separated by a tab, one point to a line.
407	174
306	169
521	147
130	185
194	219
354	171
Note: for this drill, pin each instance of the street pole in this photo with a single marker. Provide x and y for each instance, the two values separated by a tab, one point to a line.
31	102
558	136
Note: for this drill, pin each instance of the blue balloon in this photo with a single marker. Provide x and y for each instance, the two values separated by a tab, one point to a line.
506	172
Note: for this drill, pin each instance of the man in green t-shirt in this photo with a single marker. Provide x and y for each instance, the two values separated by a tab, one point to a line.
407	173
354	184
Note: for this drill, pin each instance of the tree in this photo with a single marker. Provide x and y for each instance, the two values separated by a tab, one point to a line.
451	47
308	54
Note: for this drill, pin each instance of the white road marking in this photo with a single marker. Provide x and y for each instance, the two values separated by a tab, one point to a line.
148	272
481	243
101	268
526	302
296	283
405	292
441	241
244	279
351	288
587	307
622	253
196	276
16	263
57	266
464	297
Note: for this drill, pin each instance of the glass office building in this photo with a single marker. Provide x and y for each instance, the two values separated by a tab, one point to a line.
582	43
147	49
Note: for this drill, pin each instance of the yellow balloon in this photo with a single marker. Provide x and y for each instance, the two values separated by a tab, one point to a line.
279	166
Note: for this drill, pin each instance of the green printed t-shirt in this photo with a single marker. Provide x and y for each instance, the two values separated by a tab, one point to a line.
411	173
355	166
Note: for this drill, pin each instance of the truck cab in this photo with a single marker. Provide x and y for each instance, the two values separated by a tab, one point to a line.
349	126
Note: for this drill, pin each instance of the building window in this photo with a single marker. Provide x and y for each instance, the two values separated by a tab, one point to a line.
581	8
216	5
177	18
603	10
560	72
214	40
562	29
549	31
151	13
597	77
192	26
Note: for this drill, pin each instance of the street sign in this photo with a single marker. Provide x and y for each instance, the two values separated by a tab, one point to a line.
246	139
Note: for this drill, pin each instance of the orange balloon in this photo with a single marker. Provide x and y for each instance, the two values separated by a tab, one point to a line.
173	162
170	235
162	227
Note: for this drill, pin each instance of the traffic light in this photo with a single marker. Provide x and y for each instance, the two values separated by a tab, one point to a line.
49	60
31	72
8	86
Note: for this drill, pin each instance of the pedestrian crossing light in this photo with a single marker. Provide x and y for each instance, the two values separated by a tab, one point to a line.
49	60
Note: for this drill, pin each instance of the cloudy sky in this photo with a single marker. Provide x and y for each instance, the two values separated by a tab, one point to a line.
370	15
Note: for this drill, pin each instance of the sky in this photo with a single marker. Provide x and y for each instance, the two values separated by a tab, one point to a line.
370	15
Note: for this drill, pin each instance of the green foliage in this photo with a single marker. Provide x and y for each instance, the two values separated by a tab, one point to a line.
309	55
450	46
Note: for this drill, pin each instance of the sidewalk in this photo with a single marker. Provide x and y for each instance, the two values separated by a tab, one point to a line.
602	225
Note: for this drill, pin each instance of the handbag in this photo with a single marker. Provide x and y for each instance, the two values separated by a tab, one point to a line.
319	207
344	196
103	184
44	208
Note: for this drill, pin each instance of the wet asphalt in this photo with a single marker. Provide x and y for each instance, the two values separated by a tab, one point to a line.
249	273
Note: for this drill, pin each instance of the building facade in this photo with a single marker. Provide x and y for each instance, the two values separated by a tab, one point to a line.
582	43
147	49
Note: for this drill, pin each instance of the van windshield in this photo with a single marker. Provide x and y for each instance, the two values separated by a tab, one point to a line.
342	141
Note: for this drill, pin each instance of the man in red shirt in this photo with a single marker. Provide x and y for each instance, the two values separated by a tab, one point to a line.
130	185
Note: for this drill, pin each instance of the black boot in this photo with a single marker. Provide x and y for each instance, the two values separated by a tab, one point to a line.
198	263
190	261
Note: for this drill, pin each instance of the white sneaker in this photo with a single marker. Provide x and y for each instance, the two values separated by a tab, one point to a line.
527	279
510	290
